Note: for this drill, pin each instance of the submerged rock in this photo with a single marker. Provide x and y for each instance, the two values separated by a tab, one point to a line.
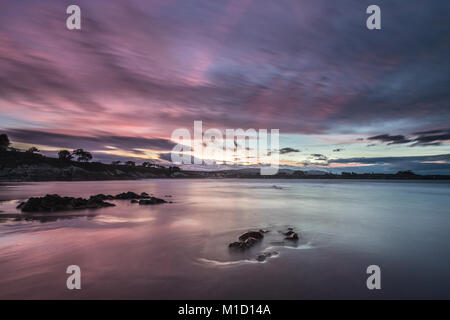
245	244
103	197
152	200
131	195
263	256
291	235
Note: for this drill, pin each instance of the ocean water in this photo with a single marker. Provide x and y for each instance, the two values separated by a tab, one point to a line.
179	250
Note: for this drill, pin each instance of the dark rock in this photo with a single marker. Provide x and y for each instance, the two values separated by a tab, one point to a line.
250	242
101	196
128	196
54	202
292	236
95	202
247	240
131	196
263	256
235	244
244	244
151	200
21	205
251	234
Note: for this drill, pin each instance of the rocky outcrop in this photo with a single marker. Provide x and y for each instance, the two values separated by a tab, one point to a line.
104	197
152	200
250	238
54	202
131	196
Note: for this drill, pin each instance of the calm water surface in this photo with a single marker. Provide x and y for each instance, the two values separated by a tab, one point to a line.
180	249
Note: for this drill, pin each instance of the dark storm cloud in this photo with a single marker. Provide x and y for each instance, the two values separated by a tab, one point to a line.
100	141
433	164
437	131
381	160
319	157
398	139
422	138
433	137
288	150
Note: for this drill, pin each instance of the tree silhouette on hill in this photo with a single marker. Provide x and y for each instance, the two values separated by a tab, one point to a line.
82	155
4	141
65	155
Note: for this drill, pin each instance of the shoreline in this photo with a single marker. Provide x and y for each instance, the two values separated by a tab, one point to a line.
29	167
250	177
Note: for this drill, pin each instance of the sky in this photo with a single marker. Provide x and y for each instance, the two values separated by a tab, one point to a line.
343	97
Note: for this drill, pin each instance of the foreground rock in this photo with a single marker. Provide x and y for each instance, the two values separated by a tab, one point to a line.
291	235
251	234
132	196
263	256
151	200
247	240
54	202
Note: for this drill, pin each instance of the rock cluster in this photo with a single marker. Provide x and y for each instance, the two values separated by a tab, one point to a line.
250	238
54	202
143	198
151	200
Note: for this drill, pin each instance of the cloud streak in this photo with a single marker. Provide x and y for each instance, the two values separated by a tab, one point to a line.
99	142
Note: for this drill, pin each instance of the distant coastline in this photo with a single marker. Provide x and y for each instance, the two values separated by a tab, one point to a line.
16	166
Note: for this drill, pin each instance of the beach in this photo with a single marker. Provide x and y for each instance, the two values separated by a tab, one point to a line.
179	250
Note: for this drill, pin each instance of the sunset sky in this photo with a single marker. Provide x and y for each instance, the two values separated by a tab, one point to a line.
343	97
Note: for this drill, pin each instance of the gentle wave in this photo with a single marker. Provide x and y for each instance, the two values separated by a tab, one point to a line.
301	247
226	263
